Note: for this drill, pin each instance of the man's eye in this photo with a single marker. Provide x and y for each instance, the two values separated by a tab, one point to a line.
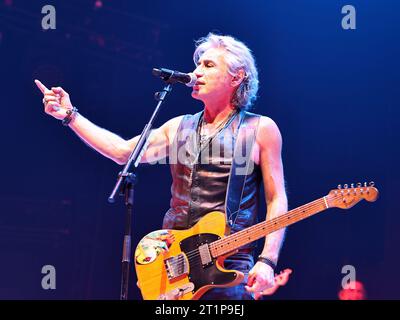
209	65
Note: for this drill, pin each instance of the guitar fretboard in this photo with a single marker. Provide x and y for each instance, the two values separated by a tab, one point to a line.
248	235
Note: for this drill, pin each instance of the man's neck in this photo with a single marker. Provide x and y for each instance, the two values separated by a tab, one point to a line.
216	114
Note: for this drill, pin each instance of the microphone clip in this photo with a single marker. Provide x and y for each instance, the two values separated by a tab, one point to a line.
159	95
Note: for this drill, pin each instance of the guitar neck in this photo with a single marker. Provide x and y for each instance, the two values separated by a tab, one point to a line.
248	235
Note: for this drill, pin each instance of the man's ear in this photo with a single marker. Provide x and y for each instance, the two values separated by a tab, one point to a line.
238	78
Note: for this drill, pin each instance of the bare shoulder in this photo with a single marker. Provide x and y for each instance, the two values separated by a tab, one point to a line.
170	127
172	123
268	134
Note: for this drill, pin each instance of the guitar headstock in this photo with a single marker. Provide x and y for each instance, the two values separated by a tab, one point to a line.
346	197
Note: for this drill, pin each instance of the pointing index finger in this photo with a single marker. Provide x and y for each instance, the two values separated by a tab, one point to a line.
41	86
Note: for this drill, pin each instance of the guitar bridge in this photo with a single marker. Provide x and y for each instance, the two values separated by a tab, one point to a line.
176	266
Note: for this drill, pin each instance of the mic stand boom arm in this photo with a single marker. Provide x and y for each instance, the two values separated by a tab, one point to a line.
126	182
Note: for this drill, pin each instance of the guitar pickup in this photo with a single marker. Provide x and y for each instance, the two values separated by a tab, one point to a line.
205	255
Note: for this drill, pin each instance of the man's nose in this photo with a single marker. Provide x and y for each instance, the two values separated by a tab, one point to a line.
198	72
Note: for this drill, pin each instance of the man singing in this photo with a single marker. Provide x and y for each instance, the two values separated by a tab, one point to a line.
227	84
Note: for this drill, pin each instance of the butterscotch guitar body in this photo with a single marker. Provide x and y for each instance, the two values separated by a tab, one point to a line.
177	265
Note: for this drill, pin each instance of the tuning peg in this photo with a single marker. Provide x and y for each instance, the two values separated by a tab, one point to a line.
371	184
359	184
339	186
346	186
365	184
352	185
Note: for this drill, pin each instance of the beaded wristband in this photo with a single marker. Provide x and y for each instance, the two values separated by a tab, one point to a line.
69	116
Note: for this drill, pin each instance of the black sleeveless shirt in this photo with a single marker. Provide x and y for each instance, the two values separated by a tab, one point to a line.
200	175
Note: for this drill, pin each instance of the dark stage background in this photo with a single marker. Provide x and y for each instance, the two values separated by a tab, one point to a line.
333	93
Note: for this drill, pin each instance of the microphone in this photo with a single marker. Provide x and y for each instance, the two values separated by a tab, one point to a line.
172	76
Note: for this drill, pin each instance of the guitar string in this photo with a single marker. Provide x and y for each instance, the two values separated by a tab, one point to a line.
265	227
194	255
191	255
265	224
269	227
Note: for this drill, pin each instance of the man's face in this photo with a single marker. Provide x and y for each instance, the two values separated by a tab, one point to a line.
214	83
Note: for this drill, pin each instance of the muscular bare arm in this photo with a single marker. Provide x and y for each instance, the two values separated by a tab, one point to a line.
270	143
57	102
269	146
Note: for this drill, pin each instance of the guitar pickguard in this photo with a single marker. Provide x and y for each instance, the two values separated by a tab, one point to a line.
201	273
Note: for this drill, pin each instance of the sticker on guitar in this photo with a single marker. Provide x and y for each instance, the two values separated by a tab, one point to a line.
151	246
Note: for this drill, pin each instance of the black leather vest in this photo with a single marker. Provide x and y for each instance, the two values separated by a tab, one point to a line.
200	177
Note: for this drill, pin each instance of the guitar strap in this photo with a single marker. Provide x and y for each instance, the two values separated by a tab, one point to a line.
242	164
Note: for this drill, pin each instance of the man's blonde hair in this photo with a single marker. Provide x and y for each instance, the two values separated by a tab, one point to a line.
239	57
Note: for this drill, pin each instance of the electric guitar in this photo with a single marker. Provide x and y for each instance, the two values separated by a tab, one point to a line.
184	264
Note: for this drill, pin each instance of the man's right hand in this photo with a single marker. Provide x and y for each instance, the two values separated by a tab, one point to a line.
56	101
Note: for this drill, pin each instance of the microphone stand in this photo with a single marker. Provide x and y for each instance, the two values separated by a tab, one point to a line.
125	184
